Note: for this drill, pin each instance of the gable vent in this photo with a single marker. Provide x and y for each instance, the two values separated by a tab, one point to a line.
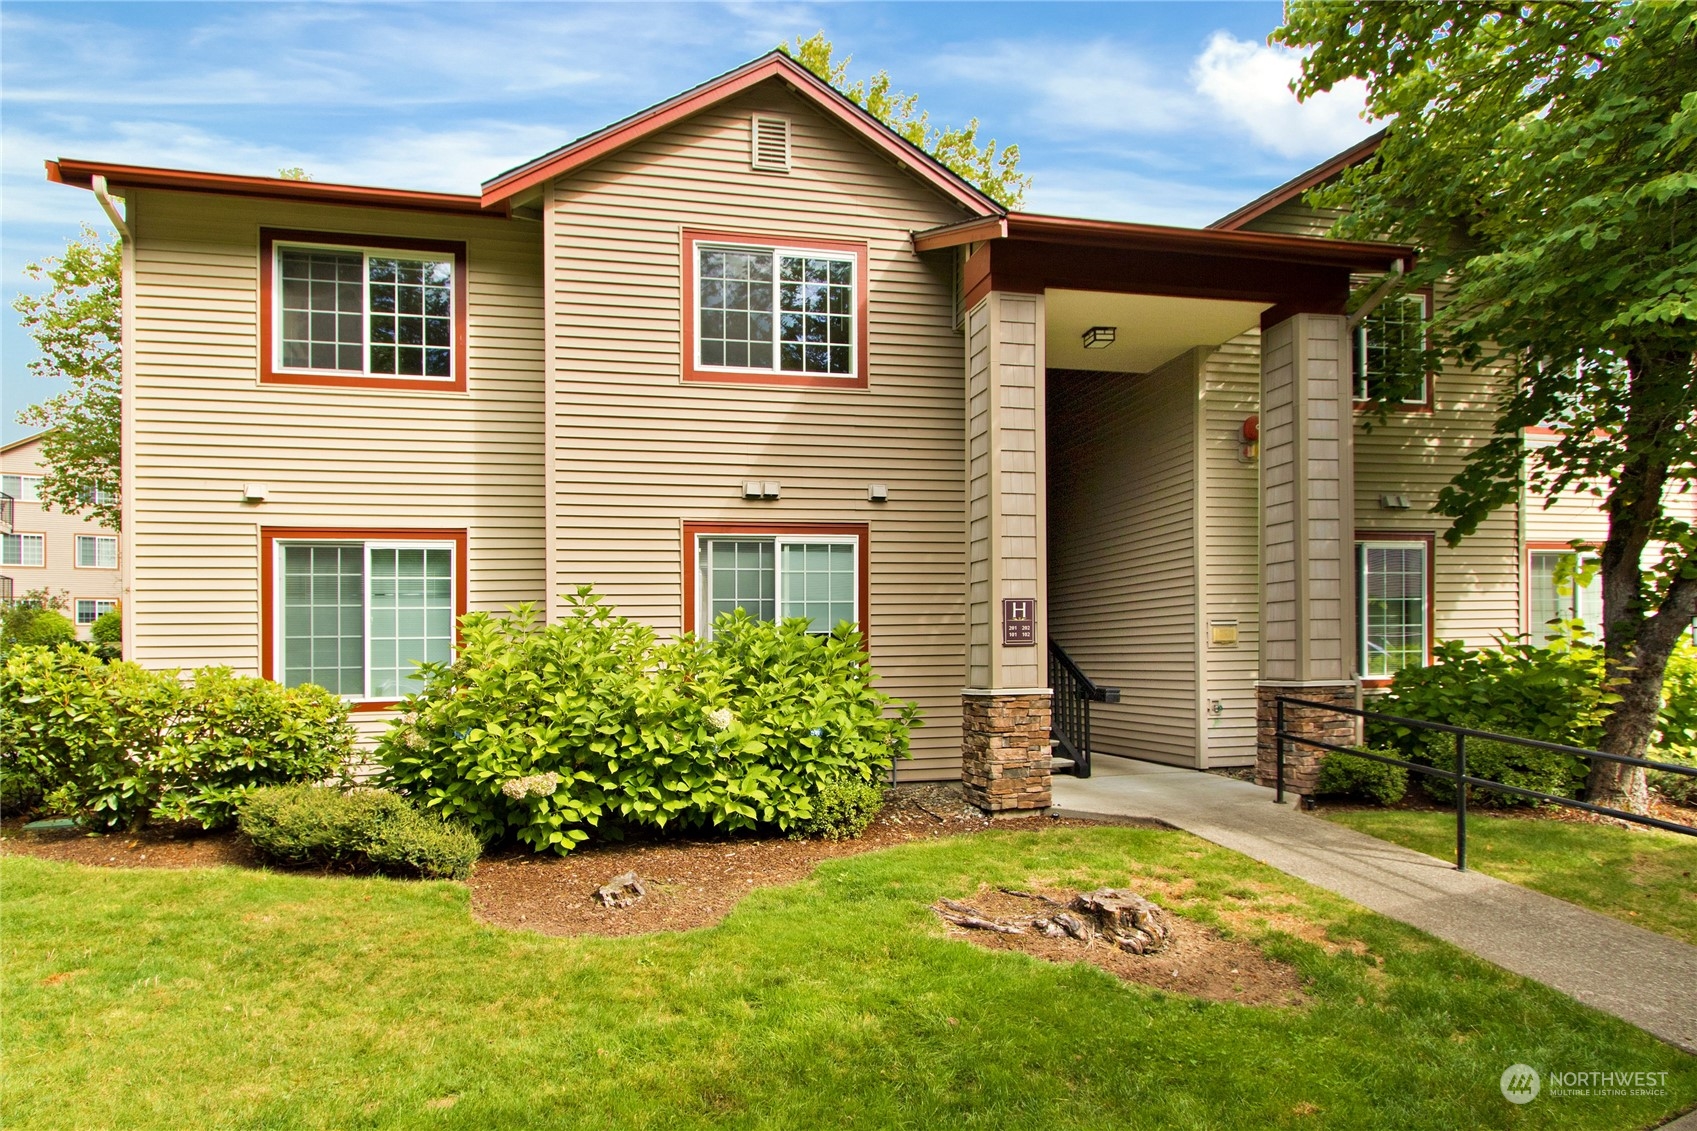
771	143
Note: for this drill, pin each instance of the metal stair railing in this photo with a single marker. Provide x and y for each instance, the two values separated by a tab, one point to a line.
1069	715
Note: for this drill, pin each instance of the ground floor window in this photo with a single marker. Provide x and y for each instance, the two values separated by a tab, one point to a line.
91	609
816	573
1561	591
1393	604
357	616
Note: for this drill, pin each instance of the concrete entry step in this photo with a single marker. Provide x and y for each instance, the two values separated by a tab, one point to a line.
1645	979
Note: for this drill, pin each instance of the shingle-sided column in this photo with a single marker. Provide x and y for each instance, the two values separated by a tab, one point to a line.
1307	538
1005	705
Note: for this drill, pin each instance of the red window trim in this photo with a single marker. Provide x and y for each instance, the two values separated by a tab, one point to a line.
1430	539
270	374
863	531
41	534
693	236
268	536
1430	403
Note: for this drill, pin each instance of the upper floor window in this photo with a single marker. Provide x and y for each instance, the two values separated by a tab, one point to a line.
23	549
23	488
1390	352
97	551
344	310
775	313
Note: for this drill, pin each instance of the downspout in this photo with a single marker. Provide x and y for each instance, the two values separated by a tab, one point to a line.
110	204
1378	296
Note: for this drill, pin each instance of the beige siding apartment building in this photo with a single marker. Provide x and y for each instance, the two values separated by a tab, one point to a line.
750	349
71	557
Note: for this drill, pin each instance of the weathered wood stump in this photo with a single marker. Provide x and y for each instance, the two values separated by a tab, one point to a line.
1125	919
620	891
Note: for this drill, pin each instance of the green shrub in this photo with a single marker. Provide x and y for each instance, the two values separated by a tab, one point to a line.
123	745
20	790
1553	693
842	808
543	732
308	824
108	627
26	624
1342	775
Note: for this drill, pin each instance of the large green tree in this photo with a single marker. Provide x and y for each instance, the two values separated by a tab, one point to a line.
76	325
1542	157
994	170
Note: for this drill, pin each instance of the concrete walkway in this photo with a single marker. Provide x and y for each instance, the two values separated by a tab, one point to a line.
1639	976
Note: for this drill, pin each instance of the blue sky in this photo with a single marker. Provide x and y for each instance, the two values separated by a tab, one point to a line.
1155	112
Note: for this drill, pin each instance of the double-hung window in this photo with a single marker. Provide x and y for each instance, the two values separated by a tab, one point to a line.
23	549
1390	352
97	551
1561	592
781	575
371	312
1392	604
775	313
358	616
91	609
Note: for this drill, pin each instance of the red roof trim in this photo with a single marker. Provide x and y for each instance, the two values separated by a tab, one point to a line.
773	65
1299	184
1039	228
81	174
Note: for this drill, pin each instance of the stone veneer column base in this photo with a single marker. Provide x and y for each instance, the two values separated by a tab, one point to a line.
1302	763
1005	751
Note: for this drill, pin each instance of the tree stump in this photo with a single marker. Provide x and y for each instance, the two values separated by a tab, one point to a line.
1125	919
620	891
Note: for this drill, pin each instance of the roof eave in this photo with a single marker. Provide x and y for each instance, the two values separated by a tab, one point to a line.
1299	184
81	174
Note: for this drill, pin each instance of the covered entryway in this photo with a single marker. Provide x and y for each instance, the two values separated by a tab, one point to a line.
1112	505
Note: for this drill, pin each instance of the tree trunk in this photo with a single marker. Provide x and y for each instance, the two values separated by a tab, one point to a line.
1638	639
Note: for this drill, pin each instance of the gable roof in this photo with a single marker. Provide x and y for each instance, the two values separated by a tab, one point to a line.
1299	184
774	65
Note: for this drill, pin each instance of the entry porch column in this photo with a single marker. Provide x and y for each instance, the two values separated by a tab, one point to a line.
1308	628
1005	705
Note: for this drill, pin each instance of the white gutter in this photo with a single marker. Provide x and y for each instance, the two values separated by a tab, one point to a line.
110	204
1378	295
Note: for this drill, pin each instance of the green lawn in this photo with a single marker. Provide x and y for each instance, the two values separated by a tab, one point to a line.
1643	876
226	998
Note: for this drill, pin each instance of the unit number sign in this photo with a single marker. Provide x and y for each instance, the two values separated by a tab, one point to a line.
1019	621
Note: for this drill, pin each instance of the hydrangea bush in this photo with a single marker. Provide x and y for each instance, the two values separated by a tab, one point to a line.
544	732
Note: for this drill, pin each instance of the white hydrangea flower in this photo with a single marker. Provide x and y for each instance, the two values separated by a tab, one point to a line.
536	785
720	718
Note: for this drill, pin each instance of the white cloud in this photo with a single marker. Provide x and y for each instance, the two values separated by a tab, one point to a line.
1102	86
1248	85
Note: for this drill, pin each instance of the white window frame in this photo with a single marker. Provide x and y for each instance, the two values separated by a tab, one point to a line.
110	603
365	251
1540	631
777	252
29	487
704	580
1362	545
366	546
20	563
98	540
1358	346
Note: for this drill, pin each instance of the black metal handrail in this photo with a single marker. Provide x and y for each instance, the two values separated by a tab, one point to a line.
1459	774
1069	715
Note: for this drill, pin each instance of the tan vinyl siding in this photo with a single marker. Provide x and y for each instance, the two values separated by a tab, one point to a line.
637	452
203	426
1229	526
59	572
1122	571
978	495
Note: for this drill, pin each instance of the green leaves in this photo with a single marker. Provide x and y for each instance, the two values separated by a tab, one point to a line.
742	731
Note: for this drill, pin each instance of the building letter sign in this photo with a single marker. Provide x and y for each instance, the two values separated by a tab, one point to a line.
1019	622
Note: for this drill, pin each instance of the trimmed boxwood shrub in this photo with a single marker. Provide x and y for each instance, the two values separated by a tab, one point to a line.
842	809
364	828
1342	775
544	732
122	745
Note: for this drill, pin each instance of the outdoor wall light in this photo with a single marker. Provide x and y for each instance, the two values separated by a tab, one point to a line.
1099	337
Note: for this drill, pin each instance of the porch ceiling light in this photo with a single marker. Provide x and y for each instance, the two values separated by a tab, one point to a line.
1099	337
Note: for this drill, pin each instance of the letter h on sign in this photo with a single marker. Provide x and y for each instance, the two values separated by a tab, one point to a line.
1019	622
